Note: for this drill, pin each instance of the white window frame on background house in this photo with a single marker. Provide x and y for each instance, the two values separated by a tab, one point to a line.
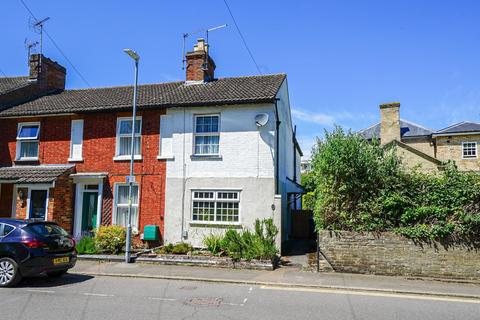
215	198
120	136
76	141
31	139
206	134
472	148
125	205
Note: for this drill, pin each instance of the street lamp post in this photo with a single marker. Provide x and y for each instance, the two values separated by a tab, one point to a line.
131	178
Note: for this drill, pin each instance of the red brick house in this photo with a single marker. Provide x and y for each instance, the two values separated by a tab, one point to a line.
64	154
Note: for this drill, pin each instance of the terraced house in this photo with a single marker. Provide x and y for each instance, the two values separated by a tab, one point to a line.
427	149
210	153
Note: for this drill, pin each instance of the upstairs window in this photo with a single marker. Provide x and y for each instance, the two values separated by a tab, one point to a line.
27	141
469	150
216	206
76	143
207	135
124	137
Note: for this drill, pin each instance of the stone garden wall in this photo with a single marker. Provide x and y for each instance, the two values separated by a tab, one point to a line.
390	254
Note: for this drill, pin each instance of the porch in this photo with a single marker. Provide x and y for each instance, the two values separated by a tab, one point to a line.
37	192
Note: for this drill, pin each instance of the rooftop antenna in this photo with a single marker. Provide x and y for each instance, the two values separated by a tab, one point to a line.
29	46
188	34
38	26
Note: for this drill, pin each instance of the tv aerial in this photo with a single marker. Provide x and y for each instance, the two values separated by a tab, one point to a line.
37	26
188	34
30	47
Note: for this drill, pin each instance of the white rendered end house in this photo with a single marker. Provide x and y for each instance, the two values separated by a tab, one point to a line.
229	161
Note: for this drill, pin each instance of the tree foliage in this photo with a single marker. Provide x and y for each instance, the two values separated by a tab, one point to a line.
362	186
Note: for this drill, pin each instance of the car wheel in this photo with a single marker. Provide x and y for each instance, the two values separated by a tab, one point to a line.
56	274
9	273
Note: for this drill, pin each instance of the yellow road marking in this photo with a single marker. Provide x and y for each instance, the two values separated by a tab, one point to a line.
376	294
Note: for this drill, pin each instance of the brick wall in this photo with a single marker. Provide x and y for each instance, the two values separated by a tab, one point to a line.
390	254
60	201
450	148
98	152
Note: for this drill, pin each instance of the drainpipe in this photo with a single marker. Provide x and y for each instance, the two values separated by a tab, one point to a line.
294	154
277	147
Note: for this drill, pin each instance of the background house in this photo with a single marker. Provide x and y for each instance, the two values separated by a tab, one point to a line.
202	162
424	148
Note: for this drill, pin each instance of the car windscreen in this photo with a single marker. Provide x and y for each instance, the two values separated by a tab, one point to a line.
46	229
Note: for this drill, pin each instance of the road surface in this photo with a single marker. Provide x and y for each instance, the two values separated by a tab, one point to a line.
84	297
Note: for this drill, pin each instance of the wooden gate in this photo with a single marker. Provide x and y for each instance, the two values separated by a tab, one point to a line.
302	226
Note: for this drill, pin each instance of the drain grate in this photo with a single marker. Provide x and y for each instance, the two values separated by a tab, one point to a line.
206	302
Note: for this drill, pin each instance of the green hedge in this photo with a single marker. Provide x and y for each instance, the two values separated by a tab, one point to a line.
361	186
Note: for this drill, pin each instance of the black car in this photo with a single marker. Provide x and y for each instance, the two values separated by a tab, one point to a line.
30	248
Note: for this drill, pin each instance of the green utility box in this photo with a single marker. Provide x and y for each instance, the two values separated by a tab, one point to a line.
151	233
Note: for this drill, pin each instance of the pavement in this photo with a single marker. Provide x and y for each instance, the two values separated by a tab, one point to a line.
289	278
85	297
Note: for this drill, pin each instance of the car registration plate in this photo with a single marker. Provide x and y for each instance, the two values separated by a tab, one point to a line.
61	260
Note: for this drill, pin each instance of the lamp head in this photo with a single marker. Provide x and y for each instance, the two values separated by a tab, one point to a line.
132	54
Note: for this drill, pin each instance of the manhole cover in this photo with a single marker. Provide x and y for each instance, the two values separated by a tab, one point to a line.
207	302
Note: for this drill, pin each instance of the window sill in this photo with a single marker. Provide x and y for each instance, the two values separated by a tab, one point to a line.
205	224
470	158
166	157
26	160
75	160
206	157
127	158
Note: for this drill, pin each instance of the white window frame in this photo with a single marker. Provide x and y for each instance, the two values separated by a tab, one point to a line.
72	157
463	150
115	205
202	134
216	200
36	188
117	142
20	140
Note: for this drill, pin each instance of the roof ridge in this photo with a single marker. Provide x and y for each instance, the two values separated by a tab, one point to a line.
453	125
176	82
14	77
416	124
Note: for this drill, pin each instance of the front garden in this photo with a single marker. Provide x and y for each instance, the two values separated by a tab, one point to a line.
231	247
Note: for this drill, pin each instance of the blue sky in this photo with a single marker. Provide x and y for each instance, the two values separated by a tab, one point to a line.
343	58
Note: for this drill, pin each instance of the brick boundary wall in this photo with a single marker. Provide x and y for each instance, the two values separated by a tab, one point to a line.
390	254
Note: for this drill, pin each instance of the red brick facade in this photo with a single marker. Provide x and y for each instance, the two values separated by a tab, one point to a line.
99	140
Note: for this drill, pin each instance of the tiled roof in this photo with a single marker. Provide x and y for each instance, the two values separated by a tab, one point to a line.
225	91
33	174
462	127
407	130
8	84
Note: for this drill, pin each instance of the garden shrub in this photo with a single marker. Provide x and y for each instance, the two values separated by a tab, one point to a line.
246	244
110	239
362	186
86	245
179	248
213	242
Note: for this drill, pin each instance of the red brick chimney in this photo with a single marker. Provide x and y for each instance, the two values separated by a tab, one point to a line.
200	66
45	77
47	74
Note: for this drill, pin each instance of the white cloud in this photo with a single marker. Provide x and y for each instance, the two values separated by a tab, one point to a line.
319	118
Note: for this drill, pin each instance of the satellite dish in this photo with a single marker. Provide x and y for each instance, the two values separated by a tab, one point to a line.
261	119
